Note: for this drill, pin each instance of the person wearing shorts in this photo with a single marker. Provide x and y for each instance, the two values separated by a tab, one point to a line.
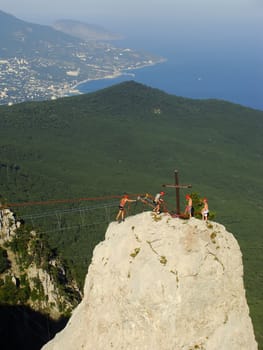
121	212
205	210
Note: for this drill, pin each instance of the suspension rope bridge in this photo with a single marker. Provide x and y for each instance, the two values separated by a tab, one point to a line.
57	220
83	222
99	212
176	185
68	210
74	200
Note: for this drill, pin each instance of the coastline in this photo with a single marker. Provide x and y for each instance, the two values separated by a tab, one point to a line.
112	76
126	72
181	79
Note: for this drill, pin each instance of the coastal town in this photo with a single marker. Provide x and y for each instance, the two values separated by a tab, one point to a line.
38	62
44	77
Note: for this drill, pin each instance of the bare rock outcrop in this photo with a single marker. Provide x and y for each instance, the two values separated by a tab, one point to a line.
8	225
41	281
162	284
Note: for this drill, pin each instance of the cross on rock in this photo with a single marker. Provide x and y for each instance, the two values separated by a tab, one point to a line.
177	187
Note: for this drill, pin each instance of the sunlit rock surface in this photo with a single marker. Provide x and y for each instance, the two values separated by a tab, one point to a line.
162	284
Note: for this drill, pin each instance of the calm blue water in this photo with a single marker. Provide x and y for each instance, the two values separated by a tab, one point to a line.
212	70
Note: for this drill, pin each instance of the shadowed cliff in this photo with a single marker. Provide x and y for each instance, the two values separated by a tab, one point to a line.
23	328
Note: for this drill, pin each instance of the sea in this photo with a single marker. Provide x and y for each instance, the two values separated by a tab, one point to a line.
217	70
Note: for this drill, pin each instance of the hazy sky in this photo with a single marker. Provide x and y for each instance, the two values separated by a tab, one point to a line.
188	19
132	10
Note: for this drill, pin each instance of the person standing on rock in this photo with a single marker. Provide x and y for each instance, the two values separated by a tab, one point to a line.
158	201
189	209
205	210
122	211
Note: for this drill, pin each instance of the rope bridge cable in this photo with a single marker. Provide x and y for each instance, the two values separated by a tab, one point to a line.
58	227
74	227
66	211
59	212
73	200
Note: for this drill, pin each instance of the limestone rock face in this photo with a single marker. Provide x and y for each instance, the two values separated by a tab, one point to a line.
8	225
43	286
162	284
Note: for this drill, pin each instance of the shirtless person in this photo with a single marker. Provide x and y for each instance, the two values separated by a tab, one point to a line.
121	212
189	210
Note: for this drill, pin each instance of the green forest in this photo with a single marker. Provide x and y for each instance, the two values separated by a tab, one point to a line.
130	138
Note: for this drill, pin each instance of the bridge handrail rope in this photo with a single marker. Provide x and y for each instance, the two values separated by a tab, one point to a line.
74	200
74	226
65	211
59	212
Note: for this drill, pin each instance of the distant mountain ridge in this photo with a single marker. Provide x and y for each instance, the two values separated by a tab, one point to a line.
18	36
84	31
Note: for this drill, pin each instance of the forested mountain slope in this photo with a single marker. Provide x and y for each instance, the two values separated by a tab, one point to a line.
130	138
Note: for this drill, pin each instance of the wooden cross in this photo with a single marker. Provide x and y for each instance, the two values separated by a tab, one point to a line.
177	190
